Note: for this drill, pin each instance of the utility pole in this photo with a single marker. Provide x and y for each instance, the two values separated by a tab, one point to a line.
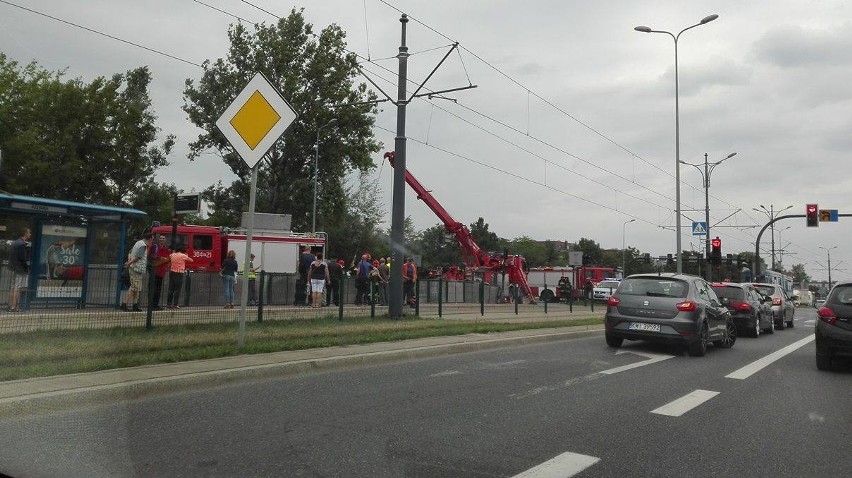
397	238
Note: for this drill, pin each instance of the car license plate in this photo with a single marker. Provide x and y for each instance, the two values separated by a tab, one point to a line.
645	327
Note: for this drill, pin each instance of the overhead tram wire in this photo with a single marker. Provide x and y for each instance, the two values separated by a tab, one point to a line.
517	176
225	12
531	153
548	102
107	35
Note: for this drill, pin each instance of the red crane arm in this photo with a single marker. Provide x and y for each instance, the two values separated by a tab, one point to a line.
471	252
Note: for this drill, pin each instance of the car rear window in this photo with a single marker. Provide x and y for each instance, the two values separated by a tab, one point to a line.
732	293
765	289
841	295
653	287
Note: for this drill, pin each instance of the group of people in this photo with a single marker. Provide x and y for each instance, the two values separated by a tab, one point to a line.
322	277
154	253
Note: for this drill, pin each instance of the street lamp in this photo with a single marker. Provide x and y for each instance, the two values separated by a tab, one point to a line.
772	214
705	175
623	263
316	174
645	29
828	250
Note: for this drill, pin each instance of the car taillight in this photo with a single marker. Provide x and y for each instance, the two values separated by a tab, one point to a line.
776	301
613	301
741	306
827	315
687	306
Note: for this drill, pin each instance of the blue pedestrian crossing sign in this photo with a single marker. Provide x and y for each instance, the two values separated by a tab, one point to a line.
699	228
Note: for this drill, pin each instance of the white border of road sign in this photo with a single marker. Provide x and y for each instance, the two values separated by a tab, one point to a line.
699	228
260	84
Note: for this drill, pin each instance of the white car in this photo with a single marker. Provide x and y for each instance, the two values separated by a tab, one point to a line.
604	289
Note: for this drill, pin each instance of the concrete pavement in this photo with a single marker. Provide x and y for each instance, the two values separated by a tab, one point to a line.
58	392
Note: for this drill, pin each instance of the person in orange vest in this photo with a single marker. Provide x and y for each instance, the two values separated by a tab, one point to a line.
409	279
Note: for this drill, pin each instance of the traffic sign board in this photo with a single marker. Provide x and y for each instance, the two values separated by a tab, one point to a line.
828	215
699	228
255	120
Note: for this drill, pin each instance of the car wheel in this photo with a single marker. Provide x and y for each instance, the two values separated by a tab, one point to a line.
756	332
729	337
781	324
614	342
699	347
823	362
771	329
546	295
790	322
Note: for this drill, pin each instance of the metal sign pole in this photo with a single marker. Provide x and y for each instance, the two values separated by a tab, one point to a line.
247	257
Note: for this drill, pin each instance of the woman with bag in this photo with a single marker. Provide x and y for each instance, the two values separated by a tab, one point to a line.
318	277
229	277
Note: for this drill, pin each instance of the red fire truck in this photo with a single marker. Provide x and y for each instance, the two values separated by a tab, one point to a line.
208	246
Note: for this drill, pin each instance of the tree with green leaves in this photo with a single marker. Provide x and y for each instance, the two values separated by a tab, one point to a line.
316	75
76	141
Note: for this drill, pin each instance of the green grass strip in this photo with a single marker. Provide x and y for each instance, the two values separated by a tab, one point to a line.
60	352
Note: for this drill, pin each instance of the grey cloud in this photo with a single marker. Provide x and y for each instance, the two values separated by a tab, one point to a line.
795	47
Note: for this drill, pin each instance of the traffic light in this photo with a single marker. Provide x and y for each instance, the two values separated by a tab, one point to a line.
716	251
812	213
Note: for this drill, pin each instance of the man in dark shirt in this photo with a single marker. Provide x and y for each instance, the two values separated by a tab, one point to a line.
303	266
19	263
335	271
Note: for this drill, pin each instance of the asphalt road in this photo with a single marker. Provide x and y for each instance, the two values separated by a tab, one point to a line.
645	410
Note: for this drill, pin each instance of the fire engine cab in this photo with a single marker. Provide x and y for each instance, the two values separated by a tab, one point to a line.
554	279
208	246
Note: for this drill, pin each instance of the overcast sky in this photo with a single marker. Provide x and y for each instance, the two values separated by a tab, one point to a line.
571	130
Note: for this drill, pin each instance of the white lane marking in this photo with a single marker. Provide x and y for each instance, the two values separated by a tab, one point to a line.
652	358
685	403
563	466
446	373
760	364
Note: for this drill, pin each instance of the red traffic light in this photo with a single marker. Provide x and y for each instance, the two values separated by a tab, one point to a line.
716	242
812	216
812	208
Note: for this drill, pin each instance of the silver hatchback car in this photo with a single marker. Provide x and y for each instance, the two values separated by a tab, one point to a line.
674	308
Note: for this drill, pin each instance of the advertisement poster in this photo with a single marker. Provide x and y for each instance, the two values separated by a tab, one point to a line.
60	265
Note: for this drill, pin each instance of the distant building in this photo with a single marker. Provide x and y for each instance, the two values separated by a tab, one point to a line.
559	246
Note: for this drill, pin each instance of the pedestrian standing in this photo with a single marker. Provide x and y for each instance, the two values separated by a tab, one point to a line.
229	278
362	278
335	274
251	273
588	289
19	263
160	254
177	269
303	266
384	278
319	277
409	279
136	266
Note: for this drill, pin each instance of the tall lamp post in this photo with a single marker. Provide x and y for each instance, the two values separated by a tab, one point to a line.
705	175
316	174
623	261
645	29
828	250
772	214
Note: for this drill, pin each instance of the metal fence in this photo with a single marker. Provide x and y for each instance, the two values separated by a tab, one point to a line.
202	300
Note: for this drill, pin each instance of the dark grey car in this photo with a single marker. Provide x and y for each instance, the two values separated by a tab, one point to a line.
673	308
783	309
834	327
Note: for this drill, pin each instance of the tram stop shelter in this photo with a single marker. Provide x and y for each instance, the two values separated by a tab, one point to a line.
76	252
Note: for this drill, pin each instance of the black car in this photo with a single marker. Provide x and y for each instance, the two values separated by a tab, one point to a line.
834	327
750	310
673	308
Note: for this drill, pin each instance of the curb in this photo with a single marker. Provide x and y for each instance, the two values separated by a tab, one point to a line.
176	380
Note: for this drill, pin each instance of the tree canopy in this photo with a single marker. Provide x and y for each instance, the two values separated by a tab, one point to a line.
76	141
315	74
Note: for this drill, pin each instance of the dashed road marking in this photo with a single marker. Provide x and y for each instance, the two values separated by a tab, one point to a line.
563	466
764	362
685	403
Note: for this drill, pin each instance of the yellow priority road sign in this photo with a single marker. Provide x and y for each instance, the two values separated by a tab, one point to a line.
255	120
